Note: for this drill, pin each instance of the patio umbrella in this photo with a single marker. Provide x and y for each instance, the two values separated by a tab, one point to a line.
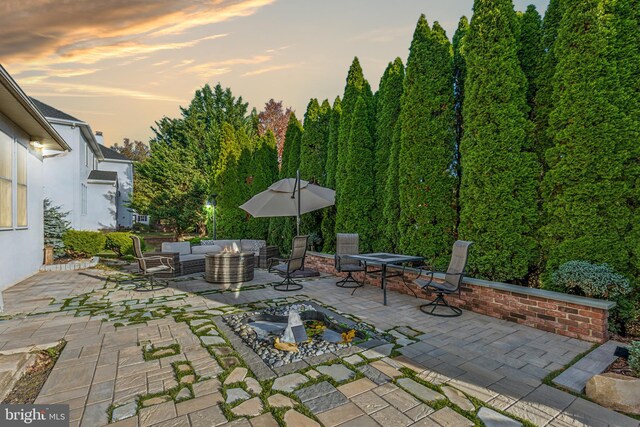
289	197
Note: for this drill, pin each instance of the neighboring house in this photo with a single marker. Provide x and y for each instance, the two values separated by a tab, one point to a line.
123	167
24	134
73	180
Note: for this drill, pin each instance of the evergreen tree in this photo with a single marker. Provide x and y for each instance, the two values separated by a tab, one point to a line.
388	104
391	211
358	187
356	87
498	189
587	187
329	214
427	144
264	167
530	49
55	225
459	76
544	100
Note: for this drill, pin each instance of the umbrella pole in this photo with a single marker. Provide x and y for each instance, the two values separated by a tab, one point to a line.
298	216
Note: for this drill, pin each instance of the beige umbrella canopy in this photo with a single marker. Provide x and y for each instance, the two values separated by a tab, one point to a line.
285	198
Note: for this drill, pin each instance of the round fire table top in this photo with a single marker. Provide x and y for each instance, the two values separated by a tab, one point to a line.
229	254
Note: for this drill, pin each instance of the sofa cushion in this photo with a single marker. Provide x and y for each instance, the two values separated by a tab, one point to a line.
206	249
207	242
227	244
191	257
248	245
183	248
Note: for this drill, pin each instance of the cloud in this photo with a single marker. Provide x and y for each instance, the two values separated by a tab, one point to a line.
210	69
87	31
47	88
269	69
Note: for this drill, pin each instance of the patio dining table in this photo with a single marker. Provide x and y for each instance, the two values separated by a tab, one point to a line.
383	260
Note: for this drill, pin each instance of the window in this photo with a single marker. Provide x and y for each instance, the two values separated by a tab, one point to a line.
6	181
22	185
83	199
142	218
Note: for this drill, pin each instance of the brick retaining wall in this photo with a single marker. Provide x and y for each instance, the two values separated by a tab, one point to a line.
563	314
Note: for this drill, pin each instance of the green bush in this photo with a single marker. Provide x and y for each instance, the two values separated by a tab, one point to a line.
591	280
634	357
83	243
121	243
140	227
195	241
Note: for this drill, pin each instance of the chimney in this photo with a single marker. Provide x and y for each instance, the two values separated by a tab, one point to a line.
99	137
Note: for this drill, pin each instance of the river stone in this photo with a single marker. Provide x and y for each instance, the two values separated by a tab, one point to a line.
337	371
235	394
491	418
279	401
289	382
418	390
458	398
250	408
253	385
124	411
615	391
236	376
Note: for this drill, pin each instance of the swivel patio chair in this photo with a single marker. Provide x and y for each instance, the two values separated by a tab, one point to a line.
290	265
145	281
348	244
452	281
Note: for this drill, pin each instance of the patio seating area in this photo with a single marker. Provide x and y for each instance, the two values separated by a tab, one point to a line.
164	358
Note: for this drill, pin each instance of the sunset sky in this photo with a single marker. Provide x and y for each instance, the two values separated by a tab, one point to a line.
122	64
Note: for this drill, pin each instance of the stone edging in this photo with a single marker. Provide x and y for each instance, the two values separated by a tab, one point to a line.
73	265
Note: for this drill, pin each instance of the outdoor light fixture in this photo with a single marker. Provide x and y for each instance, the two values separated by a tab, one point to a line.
211	203
36	144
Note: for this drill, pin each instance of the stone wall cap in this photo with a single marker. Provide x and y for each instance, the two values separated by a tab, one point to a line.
522	290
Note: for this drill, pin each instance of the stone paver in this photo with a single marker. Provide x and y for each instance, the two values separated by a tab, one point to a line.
339	415
211	416
378	352
251	407
253	385
124	411
491	418
369	402
458	398
419	390
157	413
447	417
374	375
321	397
294	418
337	372
356	387
236	376
264	420
289	382
280	401
386	369
212	340
236	394
354	359
390	416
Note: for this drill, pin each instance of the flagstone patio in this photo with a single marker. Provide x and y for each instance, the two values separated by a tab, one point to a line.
161	359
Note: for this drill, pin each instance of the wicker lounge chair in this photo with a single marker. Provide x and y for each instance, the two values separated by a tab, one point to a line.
348	244
146	281
452	281
290	265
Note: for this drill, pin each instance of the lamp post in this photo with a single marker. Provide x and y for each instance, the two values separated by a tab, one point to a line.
212	203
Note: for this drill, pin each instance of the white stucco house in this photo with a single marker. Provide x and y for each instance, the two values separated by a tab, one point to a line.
24	135
92	182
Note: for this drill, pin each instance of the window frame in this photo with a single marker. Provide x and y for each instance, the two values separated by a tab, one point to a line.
11	180
18	184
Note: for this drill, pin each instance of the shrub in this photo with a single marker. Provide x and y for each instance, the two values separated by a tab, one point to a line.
83	243
634	357
195	241
121	243
591	280
55	225
140	227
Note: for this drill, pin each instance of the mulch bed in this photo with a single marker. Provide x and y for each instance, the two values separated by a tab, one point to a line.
27	388
621	366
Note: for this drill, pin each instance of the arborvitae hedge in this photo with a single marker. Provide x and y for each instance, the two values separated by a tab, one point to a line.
391	211
388	105
498	189
427	182
264	170
586	190
329	214
358	199
459	77
530	50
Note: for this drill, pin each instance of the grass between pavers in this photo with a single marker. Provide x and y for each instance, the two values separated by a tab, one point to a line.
441	403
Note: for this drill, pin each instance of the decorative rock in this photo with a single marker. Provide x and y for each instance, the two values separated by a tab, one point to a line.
236	376
155	400
289	382
236	394
419	390
253	385
183	394
491	418
124	411
212	340
337	371
378	352
279	401
294	419
188	379
615	391
250	408
458	398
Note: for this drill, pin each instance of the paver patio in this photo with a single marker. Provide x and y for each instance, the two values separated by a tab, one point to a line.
481	361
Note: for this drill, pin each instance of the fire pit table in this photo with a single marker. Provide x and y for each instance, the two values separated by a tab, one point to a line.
229	267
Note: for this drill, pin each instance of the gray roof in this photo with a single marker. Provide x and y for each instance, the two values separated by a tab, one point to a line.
97	175
53	113
110	154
